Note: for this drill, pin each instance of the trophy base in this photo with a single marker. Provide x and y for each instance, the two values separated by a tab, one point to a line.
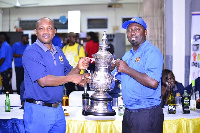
85	113
100	107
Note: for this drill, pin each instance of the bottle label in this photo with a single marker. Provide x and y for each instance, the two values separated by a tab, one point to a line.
172	109
192	104
66	110
121	110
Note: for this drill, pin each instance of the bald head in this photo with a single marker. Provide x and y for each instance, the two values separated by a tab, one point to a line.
45	30
43	19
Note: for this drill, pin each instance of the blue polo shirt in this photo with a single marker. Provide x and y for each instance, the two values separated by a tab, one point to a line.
6	52
18	48
57	41
146	59
38	61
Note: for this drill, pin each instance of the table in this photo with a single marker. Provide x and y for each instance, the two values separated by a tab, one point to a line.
77	123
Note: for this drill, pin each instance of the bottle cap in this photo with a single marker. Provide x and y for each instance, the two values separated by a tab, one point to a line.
193	83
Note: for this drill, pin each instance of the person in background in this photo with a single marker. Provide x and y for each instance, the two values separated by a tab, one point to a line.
57	41
140	72
197	86
65	41
73	52
168	80
91	47
45	71
6	57
18	50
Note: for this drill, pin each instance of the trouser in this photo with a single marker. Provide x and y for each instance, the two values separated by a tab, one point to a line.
43	119
6	77
143	121
19	77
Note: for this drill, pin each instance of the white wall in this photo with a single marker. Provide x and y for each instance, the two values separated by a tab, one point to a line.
114	15
87	11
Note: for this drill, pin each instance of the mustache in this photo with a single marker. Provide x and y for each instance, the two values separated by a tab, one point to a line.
45	34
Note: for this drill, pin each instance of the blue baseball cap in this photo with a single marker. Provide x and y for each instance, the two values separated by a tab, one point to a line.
134	20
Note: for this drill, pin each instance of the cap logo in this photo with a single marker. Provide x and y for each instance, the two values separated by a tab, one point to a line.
133	19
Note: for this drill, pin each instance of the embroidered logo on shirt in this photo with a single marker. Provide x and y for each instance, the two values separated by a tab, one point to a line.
137	59
61	58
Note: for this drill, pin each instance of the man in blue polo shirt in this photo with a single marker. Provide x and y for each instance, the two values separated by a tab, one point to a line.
5	63
18	50
140	72
46	70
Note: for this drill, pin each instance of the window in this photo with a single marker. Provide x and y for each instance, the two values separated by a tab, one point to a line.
97	23
30	24
59	25
126	19
27	24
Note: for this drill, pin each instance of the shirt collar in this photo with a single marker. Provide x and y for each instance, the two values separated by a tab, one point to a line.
140	48
44	47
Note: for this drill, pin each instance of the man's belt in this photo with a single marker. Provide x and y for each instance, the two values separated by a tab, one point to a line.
54	105
138	110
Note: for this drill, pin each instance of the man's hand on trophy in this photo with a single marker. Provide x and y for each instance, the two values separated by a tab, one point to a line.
122	66
84	79
83	63
113	64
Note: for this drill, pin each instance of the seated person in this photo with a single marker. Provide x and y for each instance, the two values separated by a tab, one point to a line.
168	80
197	86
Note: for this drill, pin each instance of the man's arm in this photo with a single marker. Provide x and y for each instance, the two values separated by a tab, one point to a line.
72	76
142	78
51	80
2	61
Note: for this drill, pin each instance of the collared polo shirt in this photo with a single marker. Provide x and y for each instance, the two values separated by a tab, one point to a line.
38	61
6	52
18	48
146	59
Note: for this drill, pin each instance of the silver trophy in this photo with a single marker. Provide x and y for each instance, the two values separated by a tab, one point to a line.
100	82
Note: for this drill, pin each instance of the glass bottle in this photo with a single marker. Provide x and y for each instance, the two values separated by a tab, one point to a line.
85	100
193	97
65	103
186	102
121	107
7	103
171	102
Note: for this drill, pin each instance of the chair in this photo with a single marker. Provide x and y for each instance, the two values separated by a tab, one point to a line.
14	99
75	97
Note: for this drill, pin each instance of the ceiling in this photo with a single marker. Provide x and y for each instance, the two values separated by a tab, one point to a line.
36	3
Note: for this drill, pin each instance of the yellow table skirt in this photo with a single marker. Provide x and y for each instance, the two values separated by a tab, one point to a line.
182	126
115	126
91	126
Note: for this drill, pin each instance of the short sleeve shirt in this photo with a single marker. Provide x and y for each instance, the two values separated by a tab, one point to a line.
6	52
38	62
73	54
91	47
18	48
146	59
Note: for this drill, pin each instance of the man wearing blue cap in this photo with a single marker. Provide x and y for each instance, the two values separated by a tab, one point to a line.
140	72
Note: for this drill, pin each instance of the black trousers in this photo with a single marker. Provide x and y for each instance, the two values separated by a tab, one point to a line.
143	121
19	77
6	77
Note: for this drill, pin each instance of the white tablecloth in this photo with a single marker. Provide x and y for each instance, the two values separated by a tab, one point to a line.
76	114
